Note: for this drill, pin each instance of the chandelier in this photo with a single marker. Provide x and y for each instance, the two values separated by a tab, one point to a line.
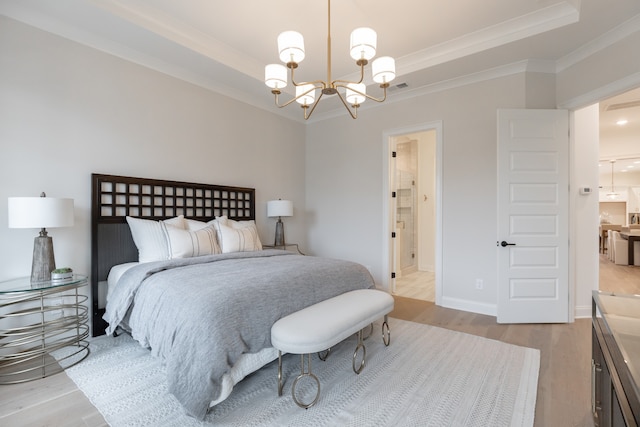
352	94
612	195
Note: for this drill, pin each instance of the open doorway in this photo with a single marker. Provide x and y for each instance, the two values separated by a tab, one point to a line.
414	176
619	191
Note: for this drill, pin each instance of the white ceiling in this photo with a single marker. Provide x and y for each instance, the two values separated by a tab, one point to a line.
223	45
620	143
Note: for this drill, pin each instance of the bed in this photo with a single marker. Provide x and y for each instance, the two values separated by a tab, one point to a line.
205	295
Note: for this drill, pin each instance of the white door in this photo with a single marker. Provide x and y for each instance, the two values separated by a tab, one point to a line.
533	216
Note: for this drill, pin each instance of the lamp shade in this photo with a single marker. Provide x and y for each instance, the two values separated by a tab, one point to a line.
383	69
291	47
363	43
305	94
40	212
279	208
353	97
275	76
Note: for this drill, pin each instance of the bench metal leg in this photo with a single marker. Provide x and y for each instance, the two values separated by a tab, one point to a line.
386	332
323	355
280	383
304	374
355	354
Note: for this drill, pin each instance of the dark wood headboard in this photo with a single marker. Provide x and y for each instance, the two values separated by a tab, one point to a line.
113	198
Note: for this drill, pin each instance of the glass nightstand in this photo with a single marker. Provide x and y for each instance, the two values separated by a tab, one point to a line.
37	319
284	247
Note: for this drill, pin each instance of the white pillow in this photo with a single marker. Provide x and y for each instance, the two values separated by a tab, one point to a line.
150	237
187	243
193	225
241	238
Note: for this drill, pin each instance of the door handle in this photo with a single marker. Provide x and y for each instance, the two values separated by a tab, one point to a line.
505	244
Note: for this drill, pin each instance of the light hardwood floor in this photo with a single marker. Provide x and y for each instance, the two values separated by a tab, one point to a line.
564	388
417	285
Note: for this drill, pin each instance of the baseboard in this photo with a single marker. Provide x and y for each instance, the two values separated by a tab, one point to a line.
583	312
471	306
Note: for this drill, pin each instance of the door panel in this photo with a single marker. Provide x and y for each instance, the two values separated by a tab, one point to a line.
533	209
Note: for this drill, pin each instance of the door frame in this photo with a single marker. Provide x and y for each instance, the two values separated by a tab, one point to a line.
388	203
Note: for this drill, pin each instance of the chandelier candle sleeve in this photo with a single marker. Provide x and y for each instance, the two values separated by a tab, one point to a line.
363	43
291	47
356	93
305	94
383	69
275	76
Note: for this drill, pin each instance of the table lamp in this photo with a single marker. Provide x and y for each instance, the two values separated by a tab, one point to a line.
279	208
41	212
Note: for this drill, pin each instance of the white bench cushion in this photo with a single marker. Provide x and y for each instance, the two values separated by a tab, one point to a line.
323	325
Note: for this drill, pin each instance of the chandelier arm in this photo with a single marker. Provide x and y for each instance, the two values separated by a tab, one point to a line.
306	116
383	86
344	102
319	84
343	83
328	41
285	104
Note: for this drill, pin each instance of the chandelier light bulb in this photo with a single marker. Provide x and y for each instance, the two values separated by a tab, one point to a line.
275	76
363	43
383	69
291	47
355	98
303	98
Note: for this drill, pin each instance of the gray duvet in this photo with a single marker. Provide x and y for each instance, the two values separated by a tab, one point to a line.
200	315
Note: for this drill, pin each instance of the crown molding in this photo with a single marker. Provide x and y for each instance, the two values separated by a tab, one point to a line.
531	66
609	38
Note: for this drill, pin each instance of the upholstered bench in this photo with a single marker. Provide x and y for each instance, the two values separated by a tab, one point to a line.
319	327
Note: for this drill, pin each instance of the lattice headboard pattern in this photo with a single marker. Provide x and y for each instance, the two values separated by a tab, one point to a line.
116	197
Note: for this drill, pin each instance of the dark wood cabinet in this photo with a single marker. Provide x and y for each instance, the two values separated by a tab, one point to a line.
615	398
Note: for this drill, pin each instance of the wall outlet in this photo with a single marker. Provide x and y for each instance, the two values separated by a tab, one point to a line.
479	284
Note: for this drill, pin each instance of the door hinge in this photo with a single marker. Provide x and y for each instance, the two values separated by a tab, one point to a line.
393	194
393	275
393	234
393	154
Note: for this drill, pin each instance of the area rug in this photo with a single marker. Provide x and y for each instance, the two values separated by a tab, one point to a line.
428	376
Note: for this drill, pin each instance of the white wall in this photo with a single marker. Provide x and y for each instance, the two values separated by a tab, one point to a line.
67	111
344	183
584	225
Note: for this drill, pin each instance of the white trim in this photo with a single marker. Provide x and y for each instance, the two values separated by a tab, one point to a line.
609	38
521	27
617	87
571	278
470	306
582	312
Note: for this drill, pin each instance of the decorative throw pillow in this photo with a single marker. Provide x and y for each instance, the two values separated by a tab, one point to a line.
194	225
150	237
187	243
239	238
